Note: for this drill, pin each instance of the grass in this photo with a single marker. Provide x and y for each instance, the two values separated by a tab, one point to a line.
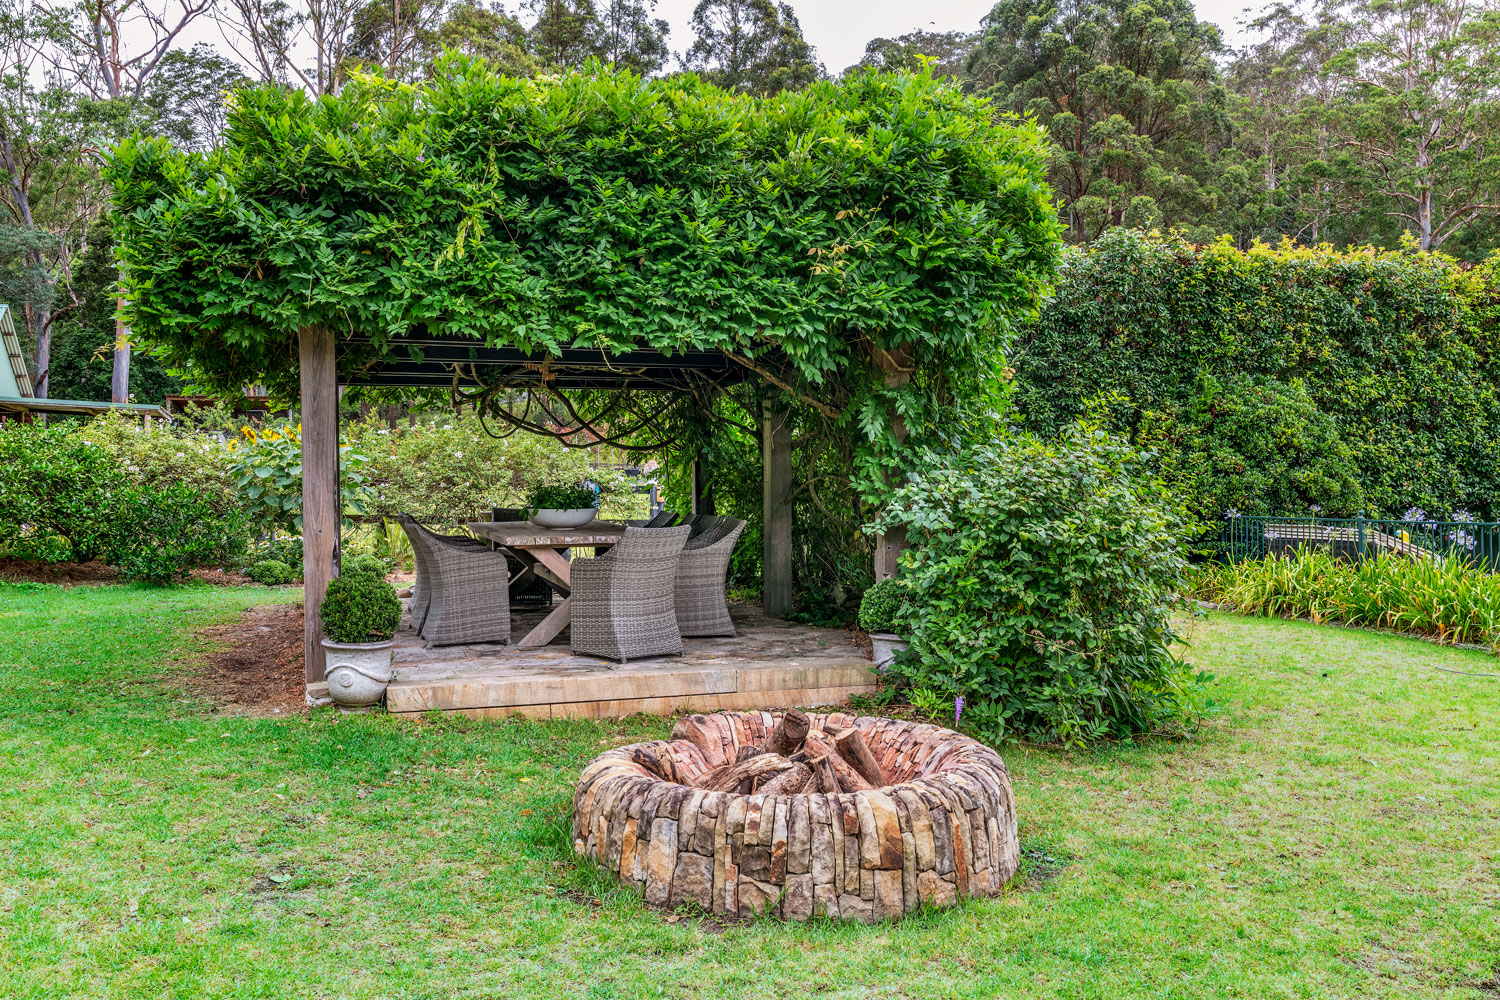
1332	832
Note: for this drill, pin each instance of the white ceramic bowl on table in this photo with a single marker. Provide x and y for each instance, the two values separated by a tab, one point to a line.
548	517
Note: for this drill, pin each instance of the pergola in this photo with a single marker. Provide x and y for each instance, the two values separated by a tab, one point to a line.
445	362
855	246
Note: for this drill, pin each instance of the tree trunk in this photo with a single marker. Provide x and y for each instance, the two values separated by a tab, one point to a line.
119	380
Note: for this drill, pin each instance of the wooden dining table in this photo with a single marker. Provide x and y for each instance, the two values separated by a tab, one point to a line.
544	550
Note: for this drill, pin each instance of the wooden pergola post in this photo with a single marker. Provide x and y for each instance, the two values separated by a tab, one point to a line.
320	484
703	494
896	366
776	506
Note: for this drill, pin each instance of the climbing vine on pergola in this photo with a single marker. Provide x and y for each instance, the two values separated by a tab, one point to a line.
623	251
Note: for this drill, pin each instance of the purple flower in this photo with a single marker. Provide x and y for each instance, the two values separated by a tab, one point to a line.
958	709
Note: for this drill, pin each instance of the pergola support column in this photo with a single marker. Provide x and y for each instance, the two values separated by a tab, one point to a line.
320	484
703	493
896	367
776	505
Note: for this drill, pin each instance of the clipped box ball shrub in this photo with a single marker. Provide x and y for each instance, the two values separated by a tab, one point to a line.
364	565
360	608
883	606
1041	576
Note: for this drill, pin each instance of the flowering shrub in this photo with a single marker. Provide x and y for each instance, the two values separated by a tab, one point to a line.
159	453
266	467
1041	576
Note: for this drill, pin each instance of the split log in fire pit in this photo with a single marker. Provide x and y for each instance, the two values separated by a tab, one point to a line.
801	814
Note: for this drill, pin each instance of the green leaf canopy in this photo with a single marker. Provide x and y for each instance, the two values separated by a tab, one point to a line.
593	209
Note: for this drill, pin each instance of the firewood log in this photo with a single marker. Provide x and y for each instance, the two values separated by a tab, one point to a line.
755	767
788	782
823	778
851	746
847	778
786	738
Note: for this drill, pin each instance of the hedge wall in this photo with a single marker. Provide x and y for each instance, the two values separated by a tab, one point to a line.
1279	379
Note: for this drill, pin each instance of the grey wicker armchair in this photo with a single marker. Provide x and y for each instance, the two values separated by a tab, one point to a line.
421	593
699	595
664	519
465	595
622	600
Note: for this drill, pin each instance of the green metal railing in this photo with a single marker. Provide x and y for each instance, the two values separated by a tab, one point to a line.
1360	537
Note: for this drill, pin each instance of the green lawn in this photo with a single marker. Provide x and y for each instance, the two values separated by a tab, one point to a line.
1332	832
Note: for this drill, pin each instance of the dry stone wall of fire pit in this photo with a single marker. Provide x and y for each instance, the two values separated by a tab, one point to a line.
940	826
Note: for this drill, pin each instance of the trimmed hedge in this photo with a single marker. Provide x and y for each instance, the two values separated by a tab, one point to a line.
1279	378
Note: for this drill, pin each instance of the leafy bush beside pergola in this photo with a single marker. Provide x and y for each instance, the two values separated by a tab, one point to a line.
856	248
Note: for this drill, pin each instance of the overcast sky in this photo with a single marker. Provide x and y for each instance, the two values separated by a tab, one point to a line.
838	29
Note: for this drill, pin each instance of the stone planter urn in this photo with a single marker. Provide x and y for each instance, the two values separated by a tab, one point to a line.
358	672
796	815
549	517
884	647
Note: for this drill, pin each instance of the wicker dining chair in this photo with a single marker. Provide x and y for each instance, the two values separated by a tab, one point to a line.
421	593
466	597
699	594
664	519
622	600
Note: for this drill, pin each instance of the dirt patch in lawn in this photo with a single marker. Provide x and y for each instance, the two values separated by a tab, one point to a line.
256	665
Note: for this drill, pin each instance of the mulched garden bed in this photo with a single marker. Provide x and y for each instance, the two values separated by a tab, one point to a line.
67	573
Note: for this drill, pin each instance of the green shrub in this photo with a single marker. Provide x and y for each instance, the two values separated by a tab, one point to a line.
360	608
272	572
1376	371
1448	598
452	469
561	498
883	606
1041	575
366	565
1254	444
283	548
54	485
157	534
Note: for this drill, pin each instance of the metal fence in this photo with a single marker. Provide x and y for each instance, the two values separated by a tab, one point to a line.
1253	537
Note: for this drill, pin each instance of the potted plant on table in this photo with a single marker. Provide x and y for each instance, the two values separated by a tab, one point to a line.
361	614
562	506
882	613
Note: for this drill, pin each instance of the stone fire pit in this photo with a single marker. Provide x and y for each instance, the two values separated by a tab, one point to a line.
939	827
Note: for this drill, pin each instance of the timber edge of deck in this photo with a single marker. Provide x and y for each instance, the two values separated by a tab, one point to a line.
650	687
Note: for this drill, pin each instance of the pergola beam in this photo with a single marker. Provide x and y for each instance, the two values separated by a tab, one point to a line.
434	362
